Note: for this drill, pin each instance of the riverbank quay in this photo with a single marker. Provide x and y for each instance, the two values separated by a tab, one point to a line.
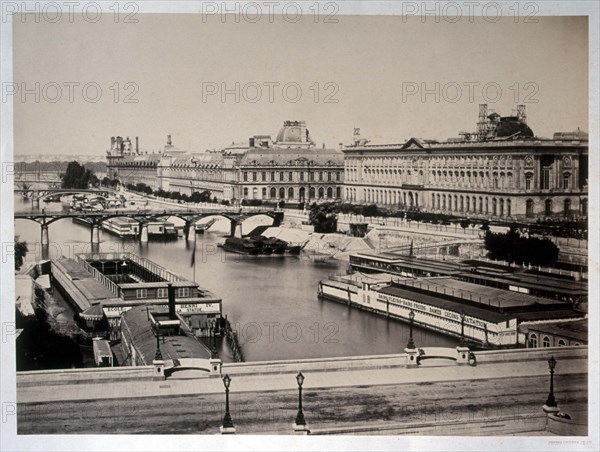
505	391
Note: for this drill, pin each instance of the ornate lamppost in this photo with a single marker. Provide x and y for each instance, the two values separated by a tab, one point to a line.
550	406
462	328
411	342
227	427
158	354
300	424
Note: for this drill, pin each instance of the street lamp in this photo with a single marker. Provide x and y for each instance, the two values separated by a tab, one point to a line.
411	343
300	421
462	328
551	401
158	354
227	426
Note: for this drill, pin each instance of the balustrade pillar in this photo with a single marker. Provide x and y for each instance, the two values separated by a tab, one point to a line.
144	233
45	240
95	234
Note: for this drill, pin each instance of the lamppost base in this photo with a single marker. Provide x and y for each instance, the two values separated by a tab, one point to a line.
300	429
550	409
227	430
462	355
411	357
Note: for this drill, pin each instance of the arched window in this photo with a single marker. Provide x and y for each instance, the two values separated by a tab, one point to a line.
584	207
311	193
321	192
548	207
264	192
282	192
273	193
508	207
529	208
528	181
330	193
533	340
567	208
561	343
501	207
546	342
566	181
291	193
494	207
302	193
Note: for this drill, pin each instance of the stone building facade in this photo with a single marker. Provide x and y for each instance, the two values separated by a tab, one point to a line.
501	174
289	168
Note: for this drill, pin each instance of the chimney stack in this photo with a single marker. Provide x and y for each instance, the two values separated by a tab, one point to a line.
137	145
169	140
251	142
171	293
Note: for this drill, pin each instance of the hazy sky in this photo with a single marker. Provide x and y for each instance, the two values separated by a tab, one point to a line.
368	61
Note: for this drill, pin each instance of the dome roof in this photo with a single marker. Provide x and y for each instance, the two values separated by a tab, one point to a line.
508	127
293	132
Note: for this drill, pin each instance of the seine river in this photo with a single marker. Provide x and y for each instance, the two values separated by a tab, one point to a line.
272	302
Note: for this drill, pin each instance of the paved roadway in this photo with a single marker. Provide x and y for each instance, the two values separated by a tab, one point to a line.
266	403
517	399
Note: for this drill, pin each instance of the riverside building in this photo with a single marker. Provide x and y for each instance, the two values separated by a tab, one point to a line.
502	171
290	168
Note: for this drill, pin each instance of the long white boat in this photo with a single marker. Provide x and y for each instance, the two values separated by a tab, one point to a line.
122	226
489	316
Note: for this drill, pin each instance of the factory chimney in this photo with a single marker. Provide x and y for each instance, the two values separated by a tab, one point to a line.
171	293
137	145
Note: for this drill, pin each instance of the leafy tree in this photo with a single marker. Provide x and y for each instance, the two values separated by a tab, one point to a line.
465	223
513	247
20	252
77	176
39	347
323	217
370	210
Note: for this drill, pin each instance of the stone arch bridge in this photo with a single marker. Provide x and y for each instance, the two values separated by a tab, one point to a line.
143	217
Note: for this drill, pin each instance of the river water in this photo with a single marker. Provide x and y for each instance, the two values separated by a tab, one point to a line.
272	302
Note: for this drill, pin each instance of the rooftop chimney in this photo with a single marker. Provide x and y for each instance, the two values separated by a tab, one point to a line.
171	293
169	140
251	142
137	145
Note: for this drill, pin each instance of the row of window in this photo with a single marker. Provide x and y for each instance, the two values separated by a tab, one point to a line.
301	176
533	341
320	193
163	293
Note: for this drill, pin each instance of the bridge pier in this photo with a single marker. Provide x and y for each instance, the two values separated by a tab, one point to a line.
191	231
144	233
45	241
95	234
234	226
35	202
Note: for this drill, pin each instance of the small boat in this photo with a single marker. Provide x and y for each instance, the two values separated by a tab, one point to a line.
200	228
261	246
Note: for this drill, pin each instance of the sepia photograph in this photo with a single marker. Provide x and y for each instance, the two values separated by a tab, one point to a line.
315	224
